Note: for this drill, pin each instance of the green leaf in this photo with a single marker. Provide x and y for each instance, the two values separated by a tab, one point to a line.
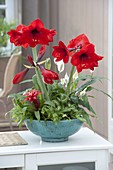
74	85
48	64
84	117
85	103
24	109
89	88
74	99
26	81
85	85
37	114
88	121
35	82
83	77
103	93
19	94
16	96
50	103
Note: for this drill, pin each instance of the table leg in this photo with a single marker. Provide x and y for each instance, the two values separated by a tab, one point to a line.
30	162
102	160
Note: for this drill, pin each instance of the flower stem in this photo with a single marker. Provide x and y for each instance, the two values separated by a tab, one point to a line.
34	54
39	77
70	79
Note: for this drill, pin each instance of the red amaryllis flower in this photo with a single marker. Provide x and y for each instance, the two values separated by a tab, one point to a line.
86	58
16	36
49	75
32	97
78	42
20	76
61	52
35	34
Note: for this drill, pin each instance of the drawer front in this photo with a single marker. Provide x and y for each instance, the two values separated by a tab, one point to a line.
11	161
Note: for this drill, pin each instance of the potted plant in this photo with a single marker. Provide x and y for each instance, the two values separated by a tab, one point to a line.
54	107
6	47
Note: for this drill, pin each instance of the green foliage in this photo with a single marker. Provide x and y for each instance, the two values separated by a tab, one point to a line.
61	106
5	46
4	28
22	109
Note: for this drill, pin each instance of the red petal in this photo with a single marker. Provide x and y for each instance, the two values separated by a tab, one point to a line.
49	75
61	52
79	40
41	52
20	27
37	24
30	60
20	76
61	44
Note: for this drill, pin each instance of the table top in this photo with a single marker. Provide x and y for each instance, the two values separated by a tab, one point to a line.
83	140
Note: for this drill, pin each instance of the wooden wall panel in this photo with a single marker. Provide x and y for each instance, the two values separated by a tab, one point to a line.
89	17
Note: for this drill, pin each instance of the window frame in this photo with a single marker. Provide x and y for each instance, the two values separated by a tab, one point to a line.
110	70
13	10
13	13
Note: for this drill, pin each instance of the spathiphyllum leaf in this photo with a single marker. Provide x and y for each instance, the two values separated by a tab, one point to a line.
88	121
85	103
103	92
84	77
89	88
85	85
83	116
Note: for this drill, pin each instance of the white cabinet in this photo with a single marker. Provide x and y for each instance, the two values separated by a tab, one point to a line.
85	149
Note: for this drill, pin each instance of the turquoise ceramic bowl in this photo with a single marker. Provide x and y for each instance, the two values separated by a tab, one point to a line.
51	132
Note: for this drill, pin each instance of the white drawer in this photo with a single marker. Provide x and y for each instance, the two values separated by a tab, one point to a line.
11	161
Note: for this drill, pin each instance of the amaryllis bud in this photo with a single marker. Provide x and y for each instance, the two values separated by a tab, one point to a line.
49	75
41	52
20	76
30	60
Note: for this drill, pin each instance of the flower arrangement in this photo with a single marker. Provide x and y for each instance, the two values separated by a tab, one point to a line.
52	97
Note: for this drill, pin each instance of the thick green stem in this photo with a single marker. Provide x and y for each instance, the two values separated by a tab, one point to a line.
34	54
39	77
70	79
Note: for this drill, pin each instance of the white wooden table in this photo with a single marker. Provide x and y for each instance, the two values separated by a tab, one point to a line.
84	146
